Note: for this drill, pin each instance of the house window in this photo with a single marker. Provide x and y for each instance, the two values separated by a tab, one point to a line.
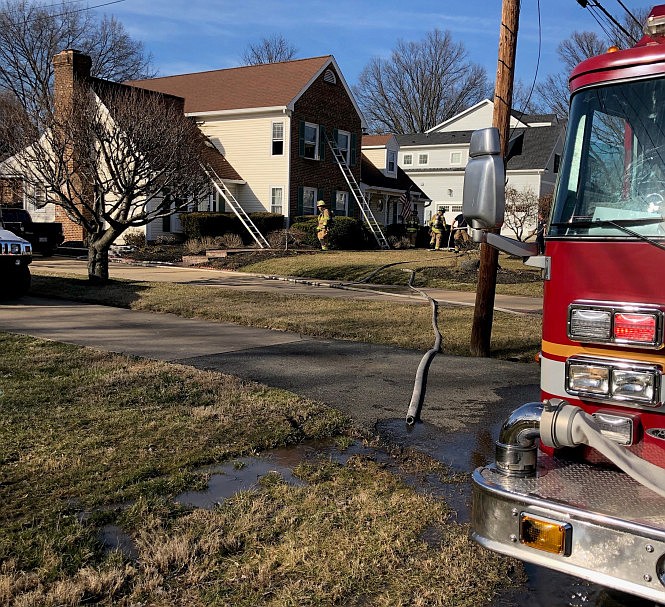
166	208
277	138
455	157
423	158
311	141
391	164
309	201
407	159
341	203
276	198
11	191
344	144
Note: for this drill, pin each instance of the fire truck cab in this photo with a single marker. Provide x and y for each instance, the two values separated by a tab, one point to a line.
578	484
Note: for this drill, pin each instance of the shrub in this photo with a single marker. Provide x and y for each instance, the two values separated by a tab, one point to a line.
304	232
347	233
199	224
231	241
201	245
134	238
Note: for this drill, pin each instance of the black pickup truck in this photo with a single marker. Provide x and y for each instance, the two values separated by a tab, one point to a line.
44	237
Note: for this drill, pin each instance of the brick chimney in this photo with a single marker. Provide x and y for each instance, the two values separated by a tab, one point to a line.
70	67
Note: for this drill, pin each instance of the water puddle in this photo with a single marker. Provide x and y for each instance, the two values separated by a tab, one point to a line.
245	473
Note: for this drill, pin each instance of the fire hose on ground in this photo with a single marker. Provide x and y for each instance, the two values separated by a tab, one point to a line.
420	383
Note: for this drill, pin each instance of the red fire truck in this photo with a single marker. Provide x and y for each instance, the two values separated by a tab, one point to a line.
578	484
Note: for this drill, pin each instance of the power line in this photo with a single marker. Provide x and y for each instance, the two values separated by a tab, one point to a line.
595	4
633	17
69	12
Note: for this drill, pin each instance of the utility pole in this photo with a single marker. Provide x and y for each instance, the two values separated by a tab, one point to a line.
481	331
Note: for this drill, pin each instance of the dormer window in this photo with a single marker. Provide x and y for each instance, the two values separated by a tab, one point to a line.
391	162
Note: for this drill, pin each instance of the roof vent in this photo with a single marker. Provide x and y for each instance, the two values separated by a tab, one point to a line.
329	77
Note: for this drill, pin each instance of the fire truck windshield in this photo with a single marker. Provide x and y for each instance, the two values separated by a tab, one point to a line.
612	180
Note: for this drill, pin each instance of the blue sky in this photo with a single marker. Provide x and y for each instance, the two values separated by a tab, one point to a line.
195	35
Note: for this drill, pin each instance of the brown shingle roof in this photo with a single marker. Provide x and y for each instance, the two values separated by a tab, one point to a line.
254	86
371	140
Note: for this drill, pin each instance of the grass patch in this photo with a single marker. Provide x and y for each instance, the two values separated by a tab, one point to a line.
434	270
394	324
89	439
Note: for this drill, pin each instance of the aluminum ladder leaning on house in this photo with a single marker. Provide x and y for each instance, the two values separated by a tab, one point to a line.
374	226
230	199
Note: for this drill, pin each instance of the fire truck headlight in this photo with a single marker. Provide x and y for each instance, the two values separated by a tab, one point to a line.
635	385
588	378
589	325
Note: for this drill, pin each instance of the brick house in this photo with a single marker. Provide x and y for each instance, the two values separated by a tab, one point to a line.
271	122
268	126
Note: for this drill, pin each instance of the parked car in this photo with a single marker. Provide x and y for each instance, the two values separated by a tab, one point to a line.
44	237
15	257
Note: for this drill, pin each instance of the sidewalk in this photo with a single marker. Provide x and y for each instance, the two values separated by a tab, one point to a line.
287	285
466	397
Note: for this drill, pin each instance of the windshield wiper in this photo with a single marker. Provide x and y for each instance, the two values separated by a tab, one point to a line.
619	224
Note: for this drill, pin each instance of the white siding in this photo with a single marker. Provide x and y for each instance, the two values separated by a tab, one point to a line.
246	142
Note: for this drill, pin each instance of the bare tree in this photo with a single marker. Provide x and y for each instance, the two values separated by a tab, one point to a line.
553	92
269	50
110	166
521	211
31	35
422	84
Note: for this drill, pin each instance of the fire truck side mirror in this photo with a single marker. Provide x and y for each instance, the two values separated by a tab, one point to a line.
484	181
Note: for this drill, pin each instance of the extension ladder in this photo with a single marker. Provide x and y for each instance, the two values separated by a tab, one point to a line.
230	199
373	225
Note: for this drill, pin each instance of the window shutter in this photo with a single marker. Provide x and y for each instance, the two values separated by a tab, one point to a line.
301	139
322	142
320	194
299	210
354	141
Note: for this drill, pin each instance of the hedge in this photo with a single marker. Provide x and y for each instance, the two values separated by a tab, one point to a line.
199	224
346	233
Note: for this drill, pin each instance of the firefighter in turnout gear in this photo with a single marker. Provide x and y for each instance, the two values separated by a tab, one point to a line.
323	224
437	226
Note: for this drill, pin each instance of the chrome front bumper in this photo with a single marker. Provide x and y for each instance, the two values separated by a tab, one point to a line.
618	526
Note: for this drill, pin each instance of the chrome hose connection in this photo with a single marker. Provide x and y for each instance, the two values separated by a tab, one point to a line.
516	449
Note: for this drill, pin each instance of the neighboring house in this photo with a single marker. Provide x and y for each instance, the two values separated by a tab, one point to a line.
384	183
271	122
435	160
267	127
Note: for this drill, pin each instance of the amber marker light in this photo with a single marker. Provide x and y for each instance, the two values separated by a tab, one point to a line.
546	535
